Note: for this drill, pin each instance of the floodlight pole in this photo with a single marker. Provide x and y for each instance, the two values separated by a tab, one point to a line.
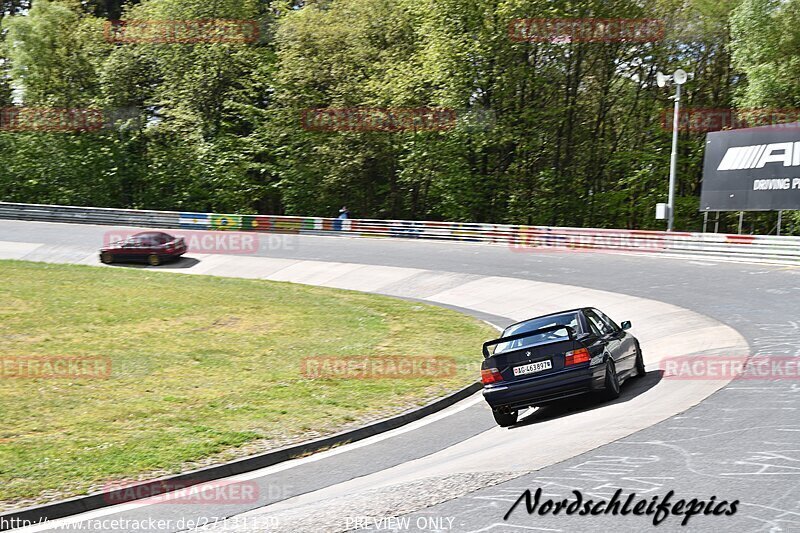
673	163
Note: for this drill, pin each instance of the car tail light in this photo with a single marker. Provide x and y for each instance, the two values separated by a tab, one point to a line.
576	356
490	375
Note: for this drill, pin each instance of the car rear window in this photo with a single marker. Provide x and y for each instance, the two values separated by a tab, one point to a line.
566	319
153	238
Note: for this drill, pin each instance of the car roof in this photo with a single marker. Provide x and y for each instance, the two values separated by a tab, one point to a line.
565	312
151	234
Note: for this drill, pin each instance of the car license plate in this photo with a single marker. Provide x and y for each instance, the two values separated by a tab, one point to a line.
532	368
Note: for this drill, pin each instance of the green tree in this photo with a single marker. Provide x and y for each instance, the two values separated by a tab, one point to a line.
766	50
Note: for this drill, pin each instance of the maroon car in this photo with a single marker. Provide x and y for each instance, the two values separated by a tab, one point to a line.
154	247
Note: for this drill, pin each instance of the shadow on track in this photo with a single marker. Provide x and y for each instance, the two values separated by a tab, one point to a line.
183	262
632	388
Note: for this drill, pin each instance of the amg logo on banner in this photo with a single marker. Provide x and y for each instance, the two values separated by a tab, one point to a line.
757	156
751	169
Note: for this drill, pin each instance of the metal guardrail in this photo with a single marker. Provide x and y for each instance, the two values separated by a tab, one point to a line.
89	215
519	238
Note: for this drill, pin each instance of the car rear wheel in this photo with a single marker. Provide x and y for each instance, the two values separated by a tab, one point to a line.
153	260
505	419
106	257
611	390
640	370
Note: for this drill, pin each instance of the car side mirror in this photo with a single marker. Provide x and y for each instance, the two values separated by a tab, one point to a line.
626	324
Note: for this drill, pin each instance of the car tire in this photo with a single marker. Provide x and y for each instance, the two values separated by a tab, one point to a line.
640	370
153	260
106	258
505	419
611	382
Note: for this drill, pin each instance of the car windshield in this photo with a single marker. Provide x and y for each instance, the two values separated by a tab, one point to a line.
566	319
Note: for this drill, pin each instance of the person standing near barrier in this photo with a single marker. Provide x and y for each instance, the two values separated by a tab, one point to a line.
343	213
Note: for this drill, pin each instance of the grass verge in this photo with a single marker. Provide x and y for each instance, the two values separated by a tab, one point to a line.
203	369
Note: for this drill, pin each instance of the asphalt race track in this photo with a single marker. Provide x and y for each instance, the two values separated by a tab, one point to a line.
457	471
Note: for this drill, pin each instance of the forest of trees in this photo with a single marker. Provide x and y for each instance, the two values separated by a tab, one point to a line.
547	133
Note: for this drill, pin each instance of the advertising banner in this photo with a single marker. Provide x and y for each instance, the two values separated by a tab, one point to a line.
753	169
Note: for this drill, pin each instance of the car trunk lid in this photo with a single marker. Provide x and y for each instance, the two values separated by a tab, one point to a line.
530	360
